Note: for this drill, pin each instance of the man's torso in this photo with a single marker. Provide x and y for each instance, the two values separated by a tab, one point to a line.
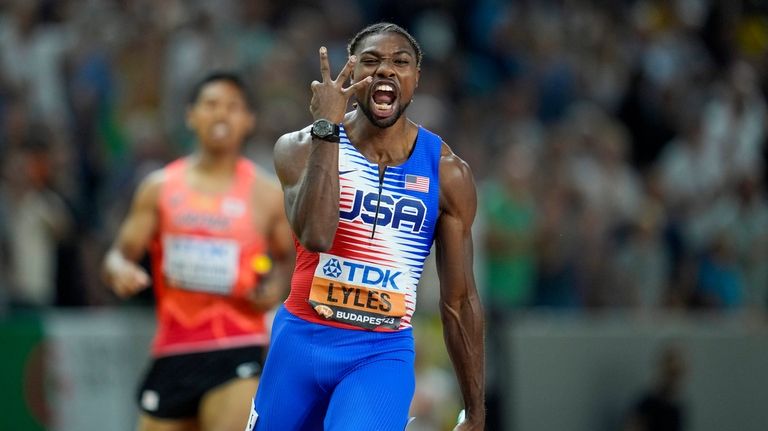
368	279
207	256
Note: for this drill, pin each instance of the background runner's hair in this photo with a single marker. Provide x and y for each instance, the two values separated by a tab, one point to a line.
226	76
384	27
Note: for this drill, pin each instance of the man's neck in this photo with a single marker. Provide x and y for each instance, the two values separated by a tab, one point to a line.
381	145
212	164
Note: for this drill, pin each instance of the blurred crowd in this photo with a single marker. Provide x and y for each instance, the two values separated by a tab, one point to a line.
618	146
627	157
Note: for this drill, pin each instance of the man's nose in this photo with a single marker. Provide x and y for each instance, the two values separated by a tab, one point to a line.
220	111
385	68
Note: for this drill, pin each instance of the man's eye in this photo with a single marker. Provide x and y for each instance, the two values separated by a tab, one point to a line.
369	61
401	62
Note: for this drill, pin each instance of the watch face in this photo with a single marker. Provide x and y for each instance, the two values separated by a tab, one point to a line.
323	128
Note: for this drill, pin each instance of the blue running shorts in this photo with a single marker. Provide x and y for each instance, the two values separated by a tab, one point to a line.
319	377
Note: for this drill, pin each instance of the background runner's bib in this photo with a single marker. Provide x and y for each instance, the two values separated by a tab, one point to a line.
368	279
200	263
207	258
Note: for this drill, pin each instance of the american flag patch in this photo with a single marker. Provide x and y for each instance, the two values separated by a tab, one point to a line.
417	183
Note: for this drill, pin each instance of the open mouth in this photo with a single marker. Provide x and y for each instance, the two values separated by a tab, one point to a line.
384	100
220	131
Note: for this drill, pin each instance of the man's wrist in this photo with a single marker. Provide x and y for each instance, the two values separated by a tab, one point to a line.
325	130
474	416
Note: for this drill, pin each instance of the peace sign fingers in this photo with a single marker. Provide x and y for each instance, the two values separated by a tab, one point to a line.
354	87
347	70
329	97
325	68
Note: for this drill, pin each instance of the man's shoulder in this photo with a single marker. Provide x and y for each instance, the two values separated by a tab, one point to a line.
290	152
457	183
172	169
294	140
155	179
264	182
451	163
148	190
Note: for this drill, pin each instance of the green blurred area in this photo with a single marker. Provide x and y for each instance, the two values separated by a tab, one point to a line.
20	371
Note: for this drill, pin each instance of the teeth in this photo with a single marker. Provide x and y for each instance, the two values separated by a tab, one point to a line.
220	130
384	87
382	106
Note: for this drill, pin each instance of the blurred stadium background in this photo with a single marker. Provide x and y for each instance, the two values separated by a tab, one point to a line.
619	151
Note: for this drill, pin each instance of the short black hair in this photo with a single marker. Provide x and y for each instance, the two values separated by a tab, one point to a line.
384	27
226	76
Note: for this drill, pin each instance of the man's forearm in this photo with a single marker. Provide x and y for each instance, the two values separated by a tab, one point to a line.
463	333
282	276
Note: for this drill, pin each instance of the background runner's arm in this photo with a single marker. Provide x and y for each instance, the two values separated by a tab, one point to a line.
309	172
120	268
460	308
281	249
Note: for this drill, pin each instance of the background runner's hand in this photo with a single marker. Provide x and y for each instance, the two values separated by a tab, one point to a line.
266	296
129	279
329	97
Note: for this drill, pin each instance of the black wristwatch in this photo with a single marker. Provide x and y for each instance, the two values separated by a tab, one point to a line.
325	130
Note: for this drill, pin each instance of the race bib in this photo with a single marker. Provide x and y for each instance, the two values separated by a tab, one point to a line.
359	293
201	264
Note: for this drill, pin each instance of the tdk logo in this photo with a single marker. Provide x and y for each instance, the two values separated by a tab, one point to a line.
371	275
405	212
359	273
332	268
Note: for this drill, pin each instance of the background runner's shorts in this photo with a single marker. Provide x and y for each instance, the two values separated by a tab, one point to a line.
323	378
174	384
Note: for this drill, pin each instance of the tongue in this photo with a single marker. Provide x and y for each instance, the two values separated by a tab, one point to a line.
383	97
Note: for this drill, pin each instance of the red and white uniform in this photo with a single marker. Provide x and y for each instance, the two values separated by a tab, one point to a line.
203	261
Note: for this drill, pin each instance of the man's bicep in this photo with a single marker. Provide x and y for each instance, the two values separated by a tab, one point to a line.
290	159
454	235
458	196
454	257
290	155
142	219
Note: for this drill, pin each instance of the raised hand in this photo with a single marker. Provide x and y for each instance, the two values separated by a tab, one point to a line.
329	97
